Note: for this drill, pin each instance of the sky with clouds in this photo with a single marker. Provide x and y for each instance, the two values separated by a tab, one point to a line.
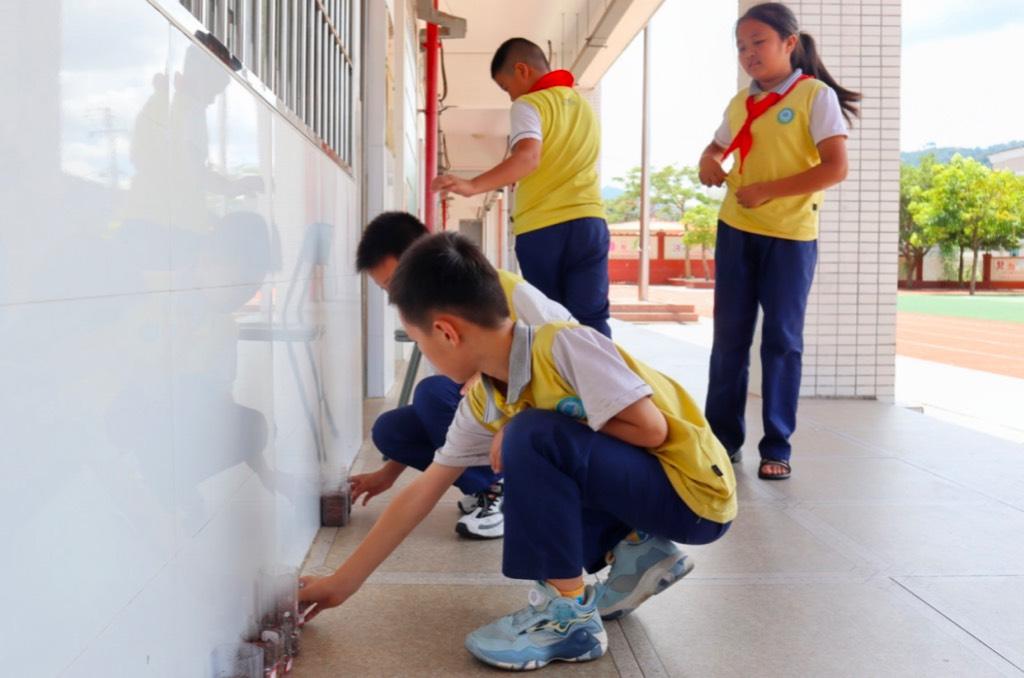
961	79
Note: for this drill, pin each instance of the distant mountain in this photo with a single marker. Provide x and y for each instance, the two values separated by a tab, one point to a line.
946	153
611	192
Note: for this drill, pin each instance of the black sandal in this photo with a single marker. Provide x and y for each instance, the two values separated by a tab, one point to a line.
774	476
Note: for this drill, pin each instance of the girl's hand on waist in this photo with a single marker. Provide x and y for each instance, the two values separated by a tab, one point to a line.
711	171
753	195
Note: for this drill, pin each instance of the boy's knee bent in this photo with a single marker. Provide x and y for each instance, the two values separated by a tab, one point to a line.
429	389
435	396
383	431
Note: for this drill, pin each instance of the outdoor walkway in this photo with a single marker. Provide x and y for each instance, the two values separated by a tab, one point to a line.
895	550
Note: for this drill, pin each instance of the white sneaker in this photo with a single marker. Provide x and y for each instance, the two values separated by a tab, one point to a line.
486	521
468	503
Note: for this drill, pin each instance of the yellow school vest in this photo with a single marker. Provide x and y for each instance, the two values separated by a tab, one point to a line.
509	281
565	185
695	462
782	147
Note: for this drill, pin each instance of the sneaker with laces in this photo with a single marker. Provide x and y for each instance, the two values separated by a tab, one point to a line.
551	628
486	521
468	503
640	569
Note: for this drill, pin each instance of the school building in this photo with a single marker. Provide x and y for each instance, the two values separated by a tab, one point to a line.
188	352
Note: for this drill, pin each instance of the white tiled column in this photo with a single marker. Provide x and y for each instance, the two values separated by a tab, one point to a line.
850	334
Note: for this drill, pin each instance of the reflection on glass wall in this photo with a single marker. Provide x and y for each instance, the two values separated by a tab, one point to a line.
169	385
301	49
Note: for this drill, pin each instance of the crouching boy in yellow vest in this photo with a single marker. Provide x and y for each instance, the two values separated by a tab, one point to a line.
592	444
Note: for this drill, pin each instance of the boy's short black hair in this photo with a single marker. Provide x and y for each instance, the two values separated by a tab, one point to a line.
519	50
447	273
389	235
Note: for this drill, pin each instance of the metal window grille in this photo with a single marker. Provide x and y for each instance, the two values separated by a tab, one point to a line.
301	50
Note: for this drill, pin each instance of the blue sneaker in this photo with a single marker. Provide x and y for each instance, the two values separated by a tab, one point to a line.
551	628
640	570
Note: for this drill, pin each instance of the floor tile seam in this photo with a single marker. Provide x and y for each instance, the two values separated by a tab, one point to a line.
958	503
426	578
1001	663
845	546
870	447
854	576
475	579
960	484
1019	575
621	653
321	547
643	649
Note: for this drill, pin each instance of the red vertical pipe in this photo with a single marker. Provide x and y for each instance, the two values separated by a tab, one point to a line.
433	47
501	231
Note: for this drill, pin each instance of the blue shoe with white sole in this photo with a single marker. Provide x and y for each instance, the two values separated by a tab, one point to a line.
640	570
551	628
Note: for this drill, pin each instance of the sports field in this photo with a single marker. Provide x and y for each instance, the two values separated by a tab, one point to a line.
982	306
983	332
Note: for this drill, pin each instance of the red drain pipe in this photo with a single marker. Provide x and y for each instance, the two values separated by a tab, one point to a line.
432	46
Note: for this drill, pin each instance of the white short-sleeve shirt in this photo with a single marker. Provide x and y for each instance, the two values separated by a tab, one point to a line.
826	114
585	358
525	123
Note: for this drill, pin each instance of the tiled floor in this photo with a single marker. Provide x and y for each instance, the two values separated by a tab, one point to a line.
897	549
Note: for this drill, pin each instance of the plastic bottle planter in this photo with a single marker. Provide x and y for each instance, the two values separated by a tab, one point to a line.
238	660
290	629
278	610
275	662
336	506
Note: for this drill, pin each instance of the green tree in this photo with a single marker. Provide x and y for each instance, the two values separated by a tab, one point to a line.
701	225
673	189
917	234
972	206
625	207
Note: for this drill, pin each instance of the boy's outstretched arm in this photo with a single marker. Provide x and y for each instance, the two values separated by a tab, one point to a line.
406	511
522	161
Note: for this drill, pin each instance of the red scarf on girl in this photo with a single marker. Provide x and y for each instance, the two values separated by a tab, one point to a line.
755	109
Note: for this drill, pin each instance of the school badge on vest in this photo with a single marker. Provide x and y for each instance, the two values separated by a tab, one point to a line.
571	406
786	116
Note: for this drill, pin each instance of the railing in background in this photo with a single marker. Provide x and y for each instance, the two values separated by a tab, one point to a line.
301	50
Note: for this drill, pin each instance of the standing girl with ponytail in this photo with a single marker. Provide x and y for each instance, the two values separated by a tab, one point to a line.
788	137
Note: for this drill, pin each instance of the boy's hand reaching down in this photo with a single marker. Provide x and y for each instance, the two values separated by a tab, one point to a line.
369	485
326	592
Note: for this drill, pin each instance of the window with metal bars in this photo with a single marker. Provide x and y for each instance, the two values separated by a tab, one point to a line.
302	50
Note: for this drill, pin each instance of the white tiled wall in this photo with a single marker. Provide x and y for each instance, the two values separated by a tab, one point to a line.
850	335
180	333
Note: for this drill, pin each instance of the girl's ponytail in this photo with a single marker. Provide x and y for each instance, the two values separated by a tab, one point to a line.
805	55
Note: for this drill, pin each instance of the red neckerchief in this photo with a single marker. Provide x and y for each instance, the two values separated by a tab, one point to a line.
744	140
554	79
